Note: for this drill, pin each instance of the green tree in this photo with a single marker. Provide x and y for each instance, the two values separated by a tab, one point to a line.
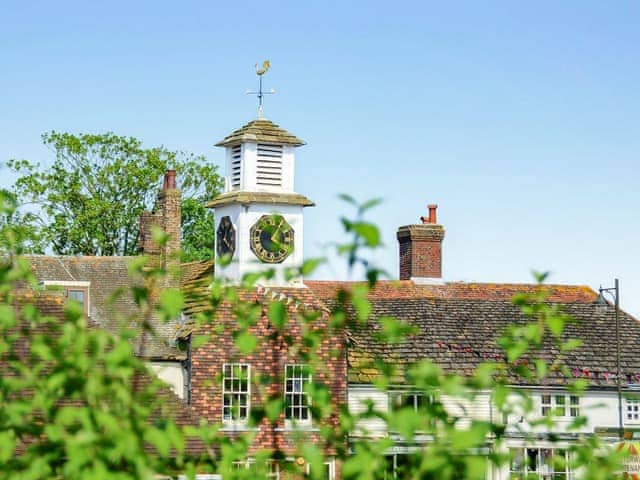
89	199
17	230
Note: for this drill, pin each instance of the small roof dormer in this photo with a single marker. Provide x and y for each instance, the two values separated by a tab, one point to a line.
260	157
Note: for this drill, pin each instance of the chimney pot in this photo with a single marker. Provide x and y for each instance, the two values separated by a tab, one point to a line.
432	213
170	180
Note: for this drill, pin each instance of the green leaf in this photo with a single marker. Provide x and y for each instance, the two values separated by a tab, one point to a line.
348	198
171	304
541	367
199	340
393	330
368	232
571	344
274	408
246	342
374	202
311	265
278	315
555	324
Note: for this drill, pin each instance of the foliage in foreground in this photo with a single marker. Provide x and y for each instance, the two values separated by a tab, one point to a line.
77	404
89	200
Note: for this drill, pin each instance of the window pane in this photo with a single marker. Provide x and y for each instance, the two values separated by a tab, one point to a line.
297	401
517	460
77	295
532	459
235	389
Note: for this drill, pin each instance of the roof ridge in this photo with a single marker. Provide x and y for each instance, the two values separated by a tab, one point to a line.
78	257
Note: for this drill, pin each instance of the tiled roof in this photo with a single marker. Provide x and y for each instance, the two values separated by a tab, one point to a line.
51	305
260	130
458	326
196	278
110	297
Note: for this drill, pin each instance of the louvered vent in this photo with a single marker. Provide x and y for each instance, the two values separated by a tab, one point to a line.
236	157
269	165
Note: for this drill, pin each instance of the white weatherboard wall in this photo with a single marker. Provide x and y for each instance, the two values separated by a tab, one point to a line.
249	169
359	396
599	406
171	373
244	261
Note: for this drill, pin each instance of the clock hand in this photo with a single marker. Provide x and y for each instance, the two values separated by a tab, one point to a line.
275	236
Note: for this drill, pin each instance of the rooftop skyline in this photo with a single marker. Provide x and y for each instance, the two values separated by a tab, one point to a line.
519	121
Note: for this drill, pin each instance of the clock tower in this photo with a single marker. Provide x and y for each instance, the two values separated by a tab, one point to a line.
259	220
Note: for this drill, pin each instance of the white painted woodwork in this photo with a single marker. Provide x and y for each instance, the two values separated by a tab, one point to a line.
171	373
244	261
247	166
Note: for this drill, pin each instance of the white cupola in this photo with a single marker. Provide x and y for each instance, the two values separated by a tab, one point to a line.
260	157
259	217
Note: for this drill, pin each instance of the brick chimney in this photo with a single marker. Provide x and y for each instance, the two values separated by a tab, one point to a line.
166	215
421	249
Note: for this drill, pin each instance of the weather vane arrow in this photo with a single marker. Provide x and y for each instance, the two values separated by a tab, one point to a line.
260	93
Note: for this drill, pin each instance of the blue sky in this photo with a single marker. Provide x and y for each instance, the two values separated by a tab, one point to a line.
520	121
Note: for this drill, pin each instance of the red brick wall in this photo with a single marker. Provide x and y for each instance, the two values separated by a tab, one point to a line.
268	362
420	251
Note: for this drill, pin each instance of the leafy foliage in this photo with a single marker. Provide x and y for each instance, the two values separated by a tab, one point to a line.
89	200
77	403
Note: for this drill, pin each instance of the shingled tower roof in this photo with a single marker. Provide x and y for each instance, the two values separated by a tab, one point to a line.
263	131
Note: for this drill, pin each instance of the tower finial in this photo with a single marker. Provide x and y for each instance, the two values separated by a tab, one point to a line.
260	72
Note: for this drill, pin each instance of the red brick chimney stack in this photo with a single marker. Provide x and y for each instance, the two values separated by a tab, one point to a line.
169	206
166	215
421	249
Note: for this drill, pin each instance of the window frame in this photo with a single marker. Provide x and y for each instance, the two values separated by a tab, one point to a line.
273	467
632	415
561	405
418	401
524	470
232	393
305	399
66	286
331	470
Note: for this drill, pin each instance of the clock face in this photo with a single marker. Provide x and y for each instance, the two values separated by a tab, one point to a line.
271	239
225	238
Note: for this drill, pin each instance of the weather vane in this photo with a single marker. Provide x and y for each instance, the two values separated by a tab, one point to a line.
260	72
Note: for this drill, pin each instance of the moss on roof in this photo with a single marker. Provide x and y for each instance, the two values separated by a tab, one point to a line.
243	197
111	302
260	130
396	289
